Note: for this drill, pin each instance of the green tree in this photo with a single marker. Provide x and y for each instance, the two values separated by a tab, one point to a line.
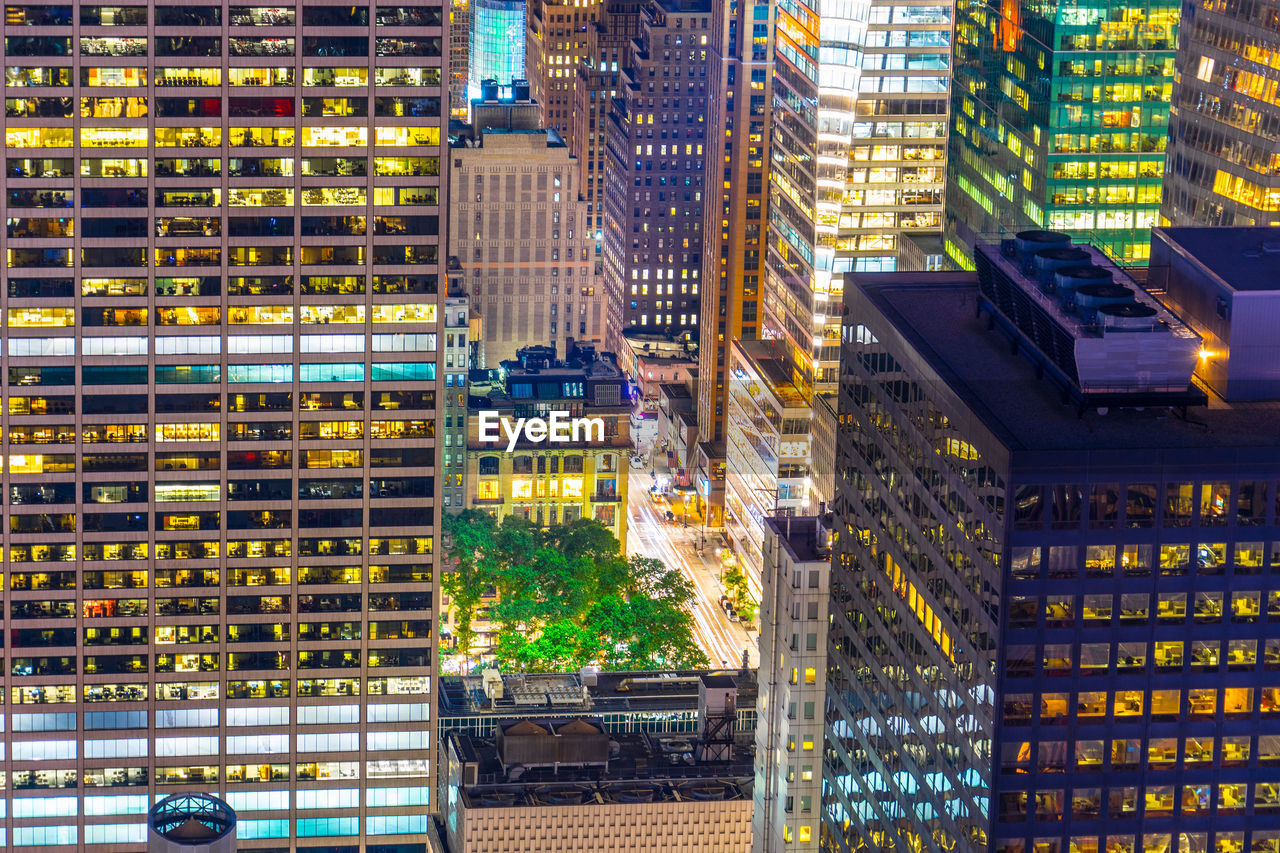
470	569
735	584
568	597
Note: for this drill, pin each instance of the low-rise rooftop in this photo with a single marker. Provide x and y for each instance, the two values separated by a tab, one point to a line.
1244	259
936	313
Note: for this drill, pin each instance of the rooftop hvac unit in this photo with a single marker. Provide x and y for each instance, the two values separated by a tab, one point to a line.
1048	260
491	679
707	791
498	798
636	794
563	796
1091	297
1027	243
1067	280
1127	317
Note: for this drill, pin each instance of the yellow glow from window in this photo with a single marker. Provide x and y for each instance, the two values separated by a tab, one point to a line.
407	136
571	487
405	313
188	432
114	137
260	197
321	314
335	137
36	317
487	490
39	137
319	196
265	315
521	488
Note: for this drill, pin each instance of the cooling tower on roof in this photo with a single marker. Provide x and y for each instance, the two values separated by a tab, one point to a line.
1127	317
1027	243
1091	297
1067	280
1066	333
1048	260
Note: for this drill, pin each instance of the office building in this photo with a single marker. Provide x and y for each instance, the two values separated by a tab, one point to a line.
654	196
1059	121
739	105
569	783
517	228
858	142
459	58
793	655
554	482
555	46
497	46
1053	562
769	430
222	517
458	362
1223	164
608	38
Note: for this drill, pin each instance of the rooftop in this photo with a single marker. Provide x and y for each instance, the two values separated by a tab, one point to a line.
936	314
807	538
1242	258
637	769
541	693
765	361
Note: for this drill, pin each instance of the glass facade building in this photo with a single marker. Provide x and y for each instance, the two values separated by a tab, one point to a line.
859	122
220	515
497	42
1059	115
1050	632
1223	165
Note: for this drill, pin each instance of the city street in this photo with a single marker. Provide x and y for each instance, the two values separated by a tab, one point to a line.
652	535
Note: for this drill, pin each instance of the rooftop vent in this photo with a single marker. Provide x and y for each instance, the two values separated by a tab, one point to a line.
1127	317
1027	243
1048	260
1091	297
1067	280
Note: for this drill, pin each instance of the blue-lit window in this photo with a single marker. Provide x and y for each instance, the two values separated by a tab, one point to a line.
115	720
396	824
29	836
46	807
337	798
115	374
332	373
262	828
317	827
260	373
114	833
182	374
118	804
392	371
393	797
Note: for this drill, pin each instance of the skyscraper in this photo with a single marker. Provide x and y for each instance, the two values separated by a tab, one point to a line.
793	667
1223	165
1047	607
655	174
739	104
517	229
497	48
1058	120
858	147
221	533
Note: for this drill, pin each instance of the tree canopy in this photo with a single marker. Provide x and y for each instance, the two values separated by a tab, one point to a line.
567	597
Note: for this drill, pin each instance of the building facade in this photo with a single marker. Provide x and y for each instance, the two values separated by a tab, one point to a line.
858	141
221	516
1223	162
1059	121
518	229
768	451
556	45
459	58
739	106
655	187
606	53
458	360
1047	625
793	655
554	483
497	46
